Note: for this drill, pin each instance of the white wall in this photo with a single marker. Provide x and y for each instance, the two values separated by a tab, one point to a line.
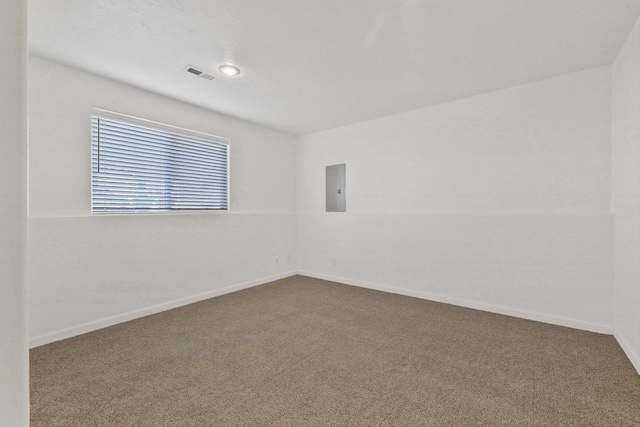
626	194
89	271
14	371
499	202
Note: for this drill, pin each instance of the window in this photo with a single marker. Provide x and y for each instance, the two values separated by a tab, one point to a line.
143	166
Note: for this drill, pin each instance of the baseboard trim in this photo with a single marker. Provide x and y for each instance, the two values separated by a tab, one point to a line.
125	317
628	350
114	320
529	315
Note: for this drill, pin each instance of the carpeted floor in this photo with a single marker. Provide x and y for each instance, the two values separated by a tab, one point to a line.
306	352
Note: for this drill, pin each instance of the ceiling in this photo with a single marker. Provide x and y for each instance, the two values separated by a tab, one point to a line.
311	65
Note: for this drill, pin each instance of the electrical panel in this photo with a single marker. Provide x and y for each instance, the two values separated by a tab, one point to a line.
336	188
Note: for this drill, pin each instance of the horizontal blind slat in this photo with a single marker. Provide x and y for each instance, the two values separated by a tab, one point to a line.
119	126
160	145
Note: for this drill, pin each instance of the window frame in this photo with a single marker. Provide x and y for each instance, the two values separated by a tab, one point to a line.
164	127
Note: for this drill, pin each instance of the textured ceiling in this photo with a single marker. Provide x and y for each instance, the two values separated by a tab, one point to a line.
314	65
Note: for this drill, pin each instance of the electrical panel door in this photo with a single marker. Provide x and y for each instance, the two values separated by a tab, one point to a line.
336	188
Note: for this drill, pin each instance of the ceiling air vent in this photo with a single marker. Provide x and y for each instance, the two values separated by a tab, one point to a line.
193	70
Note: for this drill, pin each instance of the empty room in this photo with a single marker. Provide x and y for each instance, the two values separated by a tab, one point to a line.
327	212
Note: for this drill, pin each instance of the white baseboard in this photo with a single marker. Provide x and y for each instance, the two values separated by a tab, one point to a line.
529	315
628	350
125	317
114	320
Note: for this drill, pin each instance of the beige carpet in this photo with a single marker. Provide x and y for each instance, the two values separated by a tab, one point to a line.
306	352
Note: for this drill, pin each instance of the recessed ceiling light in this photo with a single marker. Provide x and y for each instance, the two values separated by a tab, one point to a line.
229	70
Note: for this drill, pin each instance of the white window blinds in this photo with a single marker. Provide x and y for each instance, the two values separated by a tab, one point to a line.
139	168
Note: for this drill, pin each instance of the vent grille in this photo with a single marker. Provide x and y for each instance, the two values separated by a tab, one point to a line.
198	72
